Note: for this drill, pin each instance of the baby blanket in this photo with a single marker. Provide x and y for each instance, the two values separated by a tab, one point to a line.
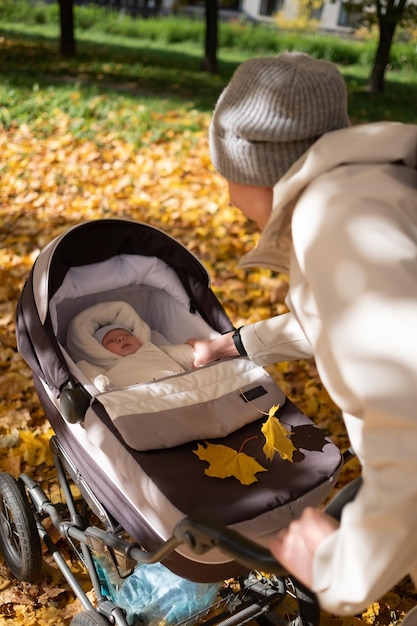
107	370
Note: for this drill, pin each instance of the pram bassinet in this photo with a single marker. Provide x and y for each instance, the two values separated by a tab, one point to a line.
149	488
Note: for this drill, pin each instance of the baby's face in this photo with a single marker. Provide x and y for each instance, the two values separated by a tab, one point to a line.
121	342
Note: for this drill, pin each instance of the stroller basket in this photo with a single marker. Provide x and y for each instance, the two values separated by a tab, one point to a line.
145	495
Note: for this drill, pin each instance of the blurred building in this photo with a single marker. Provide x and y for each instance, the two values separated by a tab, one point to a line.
331	16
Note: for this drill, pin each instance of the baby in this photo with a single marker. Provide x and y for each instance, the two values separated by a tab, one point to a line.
113	354
118	339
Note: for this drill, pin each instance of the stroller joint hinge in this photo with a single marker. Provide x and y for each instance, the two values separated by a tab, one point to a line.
108	609
40	500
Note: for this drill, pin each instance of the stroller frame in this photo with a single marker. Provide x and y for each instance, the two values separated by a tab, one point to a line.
24	506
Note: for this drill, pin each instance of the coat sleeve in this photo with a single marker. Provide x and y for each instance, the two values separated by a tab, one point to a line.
356	282
276	339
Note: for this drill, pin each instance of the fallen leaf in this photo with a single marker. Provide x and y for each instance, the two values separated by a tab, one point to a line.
35	449
277	438
225	462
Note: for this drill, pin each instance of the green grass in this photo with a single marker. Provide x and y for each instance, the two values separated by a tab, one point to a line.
131	85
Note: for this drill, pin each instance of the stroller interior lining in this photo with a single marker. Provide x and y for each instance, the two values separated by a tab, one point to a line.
145	282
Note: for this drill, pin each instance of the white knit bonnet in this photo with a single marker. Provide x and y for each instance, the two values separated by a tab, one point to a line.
103	330
271	112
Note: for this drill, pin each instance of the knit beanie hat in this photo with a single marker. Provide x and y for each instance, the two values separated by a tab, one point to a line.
103	330
271	112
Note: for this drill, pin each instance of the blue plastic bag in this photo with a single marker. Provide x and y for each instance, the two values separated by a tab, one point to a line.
153	595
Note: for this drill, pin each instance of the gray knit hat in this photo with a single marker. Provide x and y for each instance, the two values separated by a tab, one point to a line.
271	112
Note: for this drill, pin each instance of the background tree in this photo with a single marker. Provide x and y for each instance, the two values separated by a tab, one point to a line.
209	11
66	16
388	15
211	37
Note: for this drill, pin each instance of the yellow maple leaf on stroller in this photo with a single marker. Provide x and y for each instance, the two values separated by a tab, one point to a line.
225	462
277	437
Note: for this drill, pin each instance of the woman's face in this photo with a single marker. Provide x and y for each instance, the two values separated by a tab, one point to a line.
254	202
120	341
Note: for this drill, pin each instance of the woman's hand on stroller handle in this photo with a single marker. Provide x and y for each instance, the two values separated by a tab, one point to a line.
296	545
201	533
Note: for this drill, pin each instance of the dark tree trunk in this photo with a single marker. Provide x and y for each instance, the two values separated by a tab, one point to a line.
67	45
389	15
210	58
386	33
145	8
134	11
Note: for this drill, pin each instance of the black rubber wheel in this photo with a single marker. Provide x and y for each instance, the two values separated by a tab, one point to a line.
89	618
299	607
19	538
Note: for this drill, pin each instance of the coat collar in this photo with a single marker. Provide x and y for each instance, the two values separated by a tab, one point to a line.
381	142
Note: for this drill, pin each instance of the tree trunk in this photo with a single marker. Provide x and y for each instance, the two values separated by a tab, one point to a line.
210	58
386	34
67	46
134	11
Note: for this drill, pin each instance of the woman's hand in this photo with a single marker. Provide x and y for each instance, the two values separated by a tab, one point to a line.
203	351
209	350
294	547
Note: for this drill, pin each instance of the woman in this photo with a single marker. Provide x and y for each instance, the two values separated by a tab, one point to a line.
338	208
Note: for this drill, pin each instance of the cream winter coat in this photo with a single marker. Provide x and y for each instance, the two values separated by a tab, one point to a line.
344	226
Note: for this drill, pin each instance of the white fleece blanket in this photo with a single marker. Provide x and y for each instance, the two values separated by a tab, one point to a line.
107	370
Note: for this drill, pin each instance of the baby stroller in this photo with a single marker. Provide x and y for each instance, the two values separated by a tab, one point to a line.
134	490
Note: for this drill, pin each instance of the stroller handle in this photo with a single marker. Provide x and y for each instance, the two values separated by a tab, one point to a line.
201	534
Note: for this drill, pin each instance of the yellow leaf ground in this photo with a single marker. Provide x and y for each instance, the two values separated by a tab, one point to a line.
49	184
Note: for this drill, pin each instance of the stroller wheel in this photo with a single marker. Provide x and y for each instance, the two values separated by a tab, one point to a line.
19	538
89	618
